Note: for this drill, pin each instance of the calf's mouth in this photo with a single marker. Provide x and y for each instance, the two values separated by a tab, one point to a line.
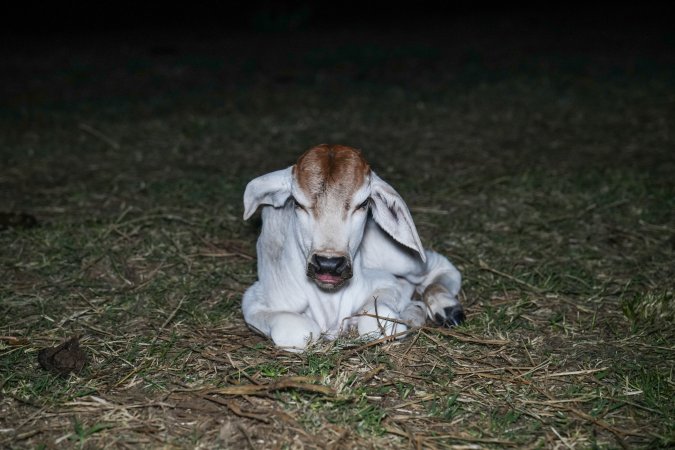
329	272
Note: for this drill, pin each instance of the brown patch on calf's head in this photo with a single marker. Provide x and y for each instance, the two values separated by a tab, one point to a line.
337	169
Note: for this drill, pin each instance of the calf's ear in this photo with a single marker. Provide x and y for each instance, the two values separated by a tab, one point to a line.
272	189
392	215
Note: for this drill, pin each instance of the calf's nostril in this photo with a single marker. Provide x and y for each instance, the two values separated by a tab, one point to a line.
325	264
342	265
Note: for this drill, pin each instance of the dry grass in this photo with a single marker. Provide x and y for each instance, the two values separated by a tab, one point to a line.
549	185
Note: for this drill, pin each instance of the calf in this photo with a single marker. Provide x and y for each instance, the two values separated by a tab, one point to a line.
338	250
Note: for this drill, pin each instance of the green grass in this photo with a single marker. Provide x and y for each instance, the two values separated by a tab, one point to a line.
549	185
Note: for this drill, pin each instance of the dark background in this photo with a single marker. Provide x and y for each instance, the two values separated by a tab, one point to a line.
84	18
634	38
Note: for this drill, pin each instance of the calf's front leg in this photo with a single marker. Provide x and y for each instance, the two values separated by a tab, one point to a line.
292	331
289	330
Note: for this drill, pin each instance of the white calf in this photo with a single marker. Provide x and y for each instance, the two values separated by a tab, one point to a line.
339	249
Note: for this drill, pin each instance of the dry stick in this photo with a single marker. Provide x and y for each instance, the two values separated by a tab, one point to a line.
98	134
413	342
429	210
73	316
215	255
514	380
14	340
457	437
248	438
416	401
232	406
415	440
576	372
377	317
365	346
618	434
529	356
563	400
433	339
301	383
133	371
148	218
151	276
535	368
371	373
23	436
219	253
635	405
241	371
98	330
560	437
465	338
336	442
39	412
95	308
601	423
588	209
409	375
168	319
26	401
461	437
482	265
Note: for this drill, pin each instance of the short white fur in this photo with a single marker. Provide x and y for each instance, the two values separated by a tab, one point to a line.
388	264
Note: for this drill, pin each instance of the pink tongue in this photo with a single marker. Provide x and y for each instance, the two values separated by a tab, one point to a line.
327	278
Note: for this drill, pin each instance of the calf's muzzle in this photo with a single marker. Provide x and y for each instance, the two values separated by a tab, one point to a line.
329	272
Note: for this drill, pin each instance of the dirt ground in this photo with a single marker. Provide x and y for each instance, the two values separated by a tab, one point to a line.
537	156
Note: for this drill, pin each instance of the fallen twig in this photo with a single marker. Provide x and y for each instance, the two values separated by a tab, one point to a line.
575	372
100	135
300	383
168	319
482	265
465	338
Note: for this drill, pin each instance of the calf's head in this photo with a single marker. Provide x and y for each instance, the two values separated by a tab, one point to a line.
331	190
